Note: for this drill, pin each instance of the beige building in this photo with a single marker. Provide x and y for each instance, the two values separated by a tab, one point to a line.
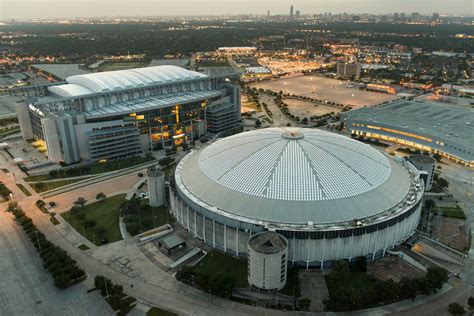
267	261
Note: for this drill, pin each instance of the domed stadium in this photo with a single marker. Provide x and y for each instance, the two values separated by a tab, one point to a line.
331	196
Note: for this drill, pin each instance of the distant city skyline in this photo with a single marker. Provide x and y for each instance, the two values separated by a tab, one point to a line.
37	9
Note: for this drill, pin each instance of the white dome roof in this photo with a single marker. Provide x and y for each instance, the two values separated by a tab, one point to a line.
293	176
291	164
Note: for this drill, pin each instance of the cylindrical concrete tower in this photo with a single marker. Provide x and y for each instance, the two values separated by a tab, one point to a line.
267	261
156	187
426	164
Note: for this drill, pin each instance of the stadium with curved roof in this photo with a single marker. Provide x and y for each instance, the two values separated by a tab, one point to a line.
332	197
114	114
109	81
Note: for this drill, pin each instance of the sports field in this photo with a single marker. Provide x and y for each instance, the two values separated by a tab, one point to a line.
322	88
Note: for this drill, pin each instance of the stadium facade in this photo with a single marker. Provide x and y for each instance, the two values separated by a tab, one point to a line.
330	196
107	115
437	128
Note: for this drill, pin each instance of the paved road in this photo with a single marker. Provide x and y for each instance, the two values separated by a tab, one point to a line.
125	264
27	289
279	119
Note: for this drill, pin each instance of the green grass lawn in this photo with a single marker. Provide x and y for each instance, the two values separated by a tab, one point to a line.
83	247
105	214
216	262
23	189
292	285
146	218
41	177
155	311
46	186
454	212
95	168
120	65
157	215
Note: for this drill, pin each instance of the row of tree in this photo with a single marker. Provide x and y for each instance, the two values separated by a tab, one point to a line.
114	295
57	261
353	290
4	191
216	284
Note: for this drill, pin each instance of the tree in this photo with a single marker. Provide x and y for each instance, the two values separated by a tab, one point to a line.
436	277
456	309
361	264
470	301
408	288
430	204
100	196
304	303
443	183
221	285
89	224
80	202
100	231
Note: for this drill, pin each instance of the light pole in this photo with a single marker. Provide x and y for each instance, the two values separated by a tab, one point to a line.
106	290
37	240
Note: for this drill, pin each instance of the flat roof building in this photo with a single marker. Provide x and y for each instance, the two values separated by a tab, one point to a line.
433	127
121	113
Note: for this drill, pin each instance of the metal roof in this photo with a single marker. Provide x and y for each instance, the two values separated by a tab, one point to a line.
312	166
444	121
172	240
108	81
69	90
293	176
153	102
268	242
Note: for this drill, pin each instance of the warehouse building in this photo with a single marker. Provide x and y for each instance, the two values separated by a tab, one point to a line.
108	115
330	196
437	128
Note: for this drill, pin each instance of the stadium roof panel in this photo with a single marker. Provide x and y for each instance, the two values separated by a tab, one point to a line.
310	167
320	177
102	82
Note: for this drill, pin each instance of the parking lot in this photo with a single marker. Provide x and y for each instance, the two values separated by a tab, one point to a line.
328	89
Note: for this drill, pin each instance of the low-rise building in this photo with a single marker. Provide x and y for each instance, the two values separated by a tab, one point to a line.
433	127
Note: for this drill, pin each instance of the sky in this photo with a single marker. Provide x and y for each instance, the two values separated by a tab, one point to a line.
36	9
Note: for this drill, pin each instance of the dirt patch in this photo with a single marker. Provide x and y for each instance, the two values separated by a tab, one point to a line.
393	268
451	232
306	109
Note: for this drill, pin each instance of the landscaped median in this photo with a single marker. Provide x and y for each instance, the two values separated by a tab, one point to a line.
98	221
40	187
57	261
4	191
